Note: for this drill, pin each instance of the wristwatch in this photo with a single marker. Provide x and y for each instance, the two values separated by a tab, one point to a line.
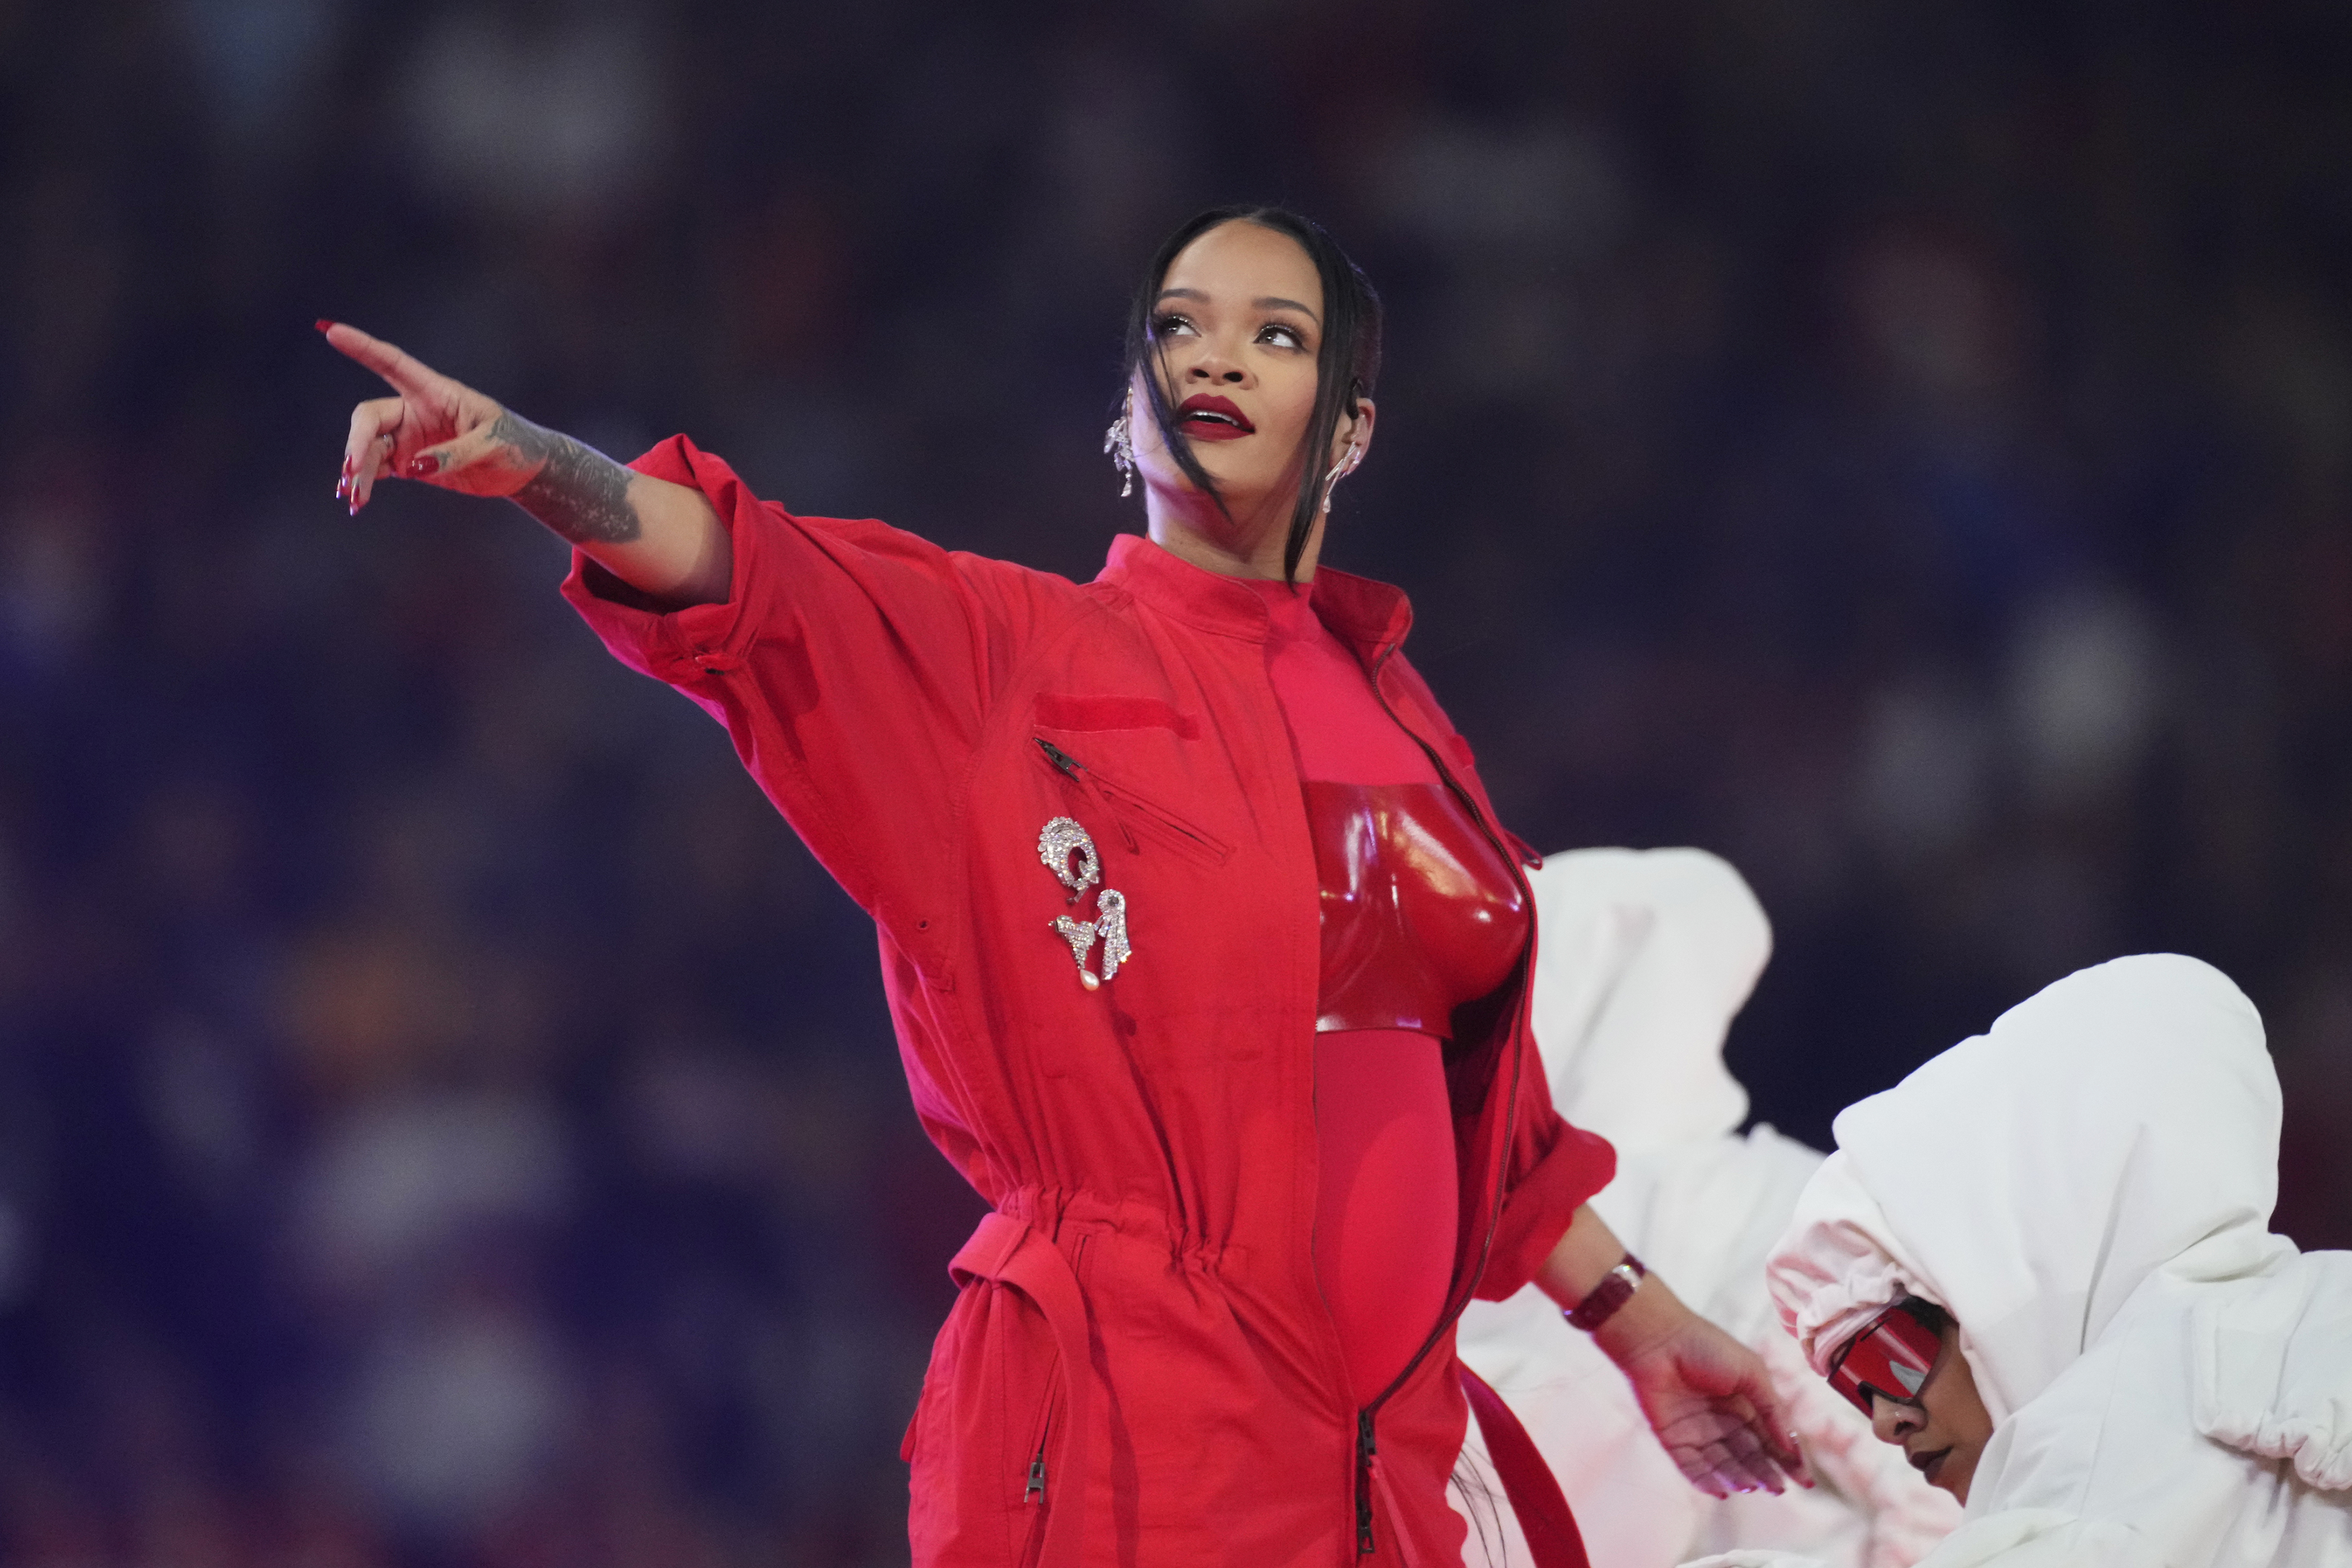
1601	1303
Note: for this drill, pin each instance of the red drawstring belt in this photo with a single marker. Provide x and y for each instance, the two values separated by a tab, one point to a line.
1553	1539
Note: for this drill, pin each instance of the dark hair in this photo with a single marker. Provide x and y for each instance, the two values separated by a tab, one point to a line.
1479	1504
1346	362
1931	1317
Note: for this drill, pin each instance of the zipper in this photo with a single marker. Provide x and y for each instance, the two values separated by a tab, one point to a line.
1035	1490
1071	767
1365	1447
1109	797
1032	1489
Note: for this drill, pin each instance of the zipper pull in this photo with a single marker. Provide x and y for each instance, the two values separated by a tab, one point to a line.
1077	770
1035	1490
1365	1449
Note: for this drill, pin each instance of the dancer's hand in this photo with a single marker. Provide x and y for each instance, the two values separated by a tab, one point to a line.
437	430
1706	1395
662	538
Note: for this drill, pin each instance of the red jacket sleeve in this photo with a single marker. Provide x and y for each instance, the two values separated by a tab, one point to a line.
851	663
1554	1167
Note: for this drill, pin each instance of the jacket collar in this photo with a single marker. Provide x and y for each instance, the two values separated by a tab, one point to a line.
1366	615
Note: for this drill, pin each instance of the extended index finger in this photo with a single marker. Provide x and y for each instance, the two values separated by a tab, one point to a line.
409	375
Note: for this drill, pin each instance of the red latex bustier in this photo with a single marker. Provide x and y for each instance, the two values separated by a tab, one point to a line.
1419	912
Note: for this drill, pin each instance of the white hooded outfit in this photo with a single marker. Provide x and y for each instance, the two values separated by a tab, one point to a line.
2088	1188
1644	958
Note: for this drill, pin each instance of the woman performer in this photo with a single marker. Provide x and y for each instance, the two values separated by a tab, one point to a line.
1242	1065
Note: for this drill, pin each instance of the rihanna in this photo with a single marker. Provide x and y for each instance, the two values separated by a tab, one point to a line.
1206	953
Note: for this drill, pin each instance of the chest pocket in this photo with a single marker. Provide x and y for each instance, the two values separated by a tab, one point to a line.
1088	714
1133	758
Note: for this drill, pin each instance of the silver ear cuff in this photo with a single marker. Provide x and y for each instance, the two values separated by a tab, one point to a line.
1340	470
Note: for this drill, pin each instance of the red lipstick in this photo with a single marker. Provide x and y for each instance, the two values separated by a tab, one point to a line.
1205	416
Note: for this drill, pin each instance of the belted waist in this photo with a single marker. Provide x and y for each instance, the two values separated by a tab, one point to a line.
1055	1213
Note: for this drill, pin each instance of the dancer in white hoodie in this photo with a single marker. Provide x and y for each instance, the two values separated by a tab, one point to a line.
2137	1373
1645	957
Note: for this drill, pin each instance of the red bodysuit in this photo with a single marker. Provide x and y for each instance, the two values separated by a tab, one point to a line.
1421	915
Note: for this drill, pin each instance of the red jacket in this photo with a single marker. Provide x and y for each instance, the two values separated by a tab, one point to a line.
1139	1368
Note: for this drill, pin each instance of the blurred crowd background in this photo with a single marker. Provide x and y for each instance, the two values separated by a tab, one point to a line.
445	1117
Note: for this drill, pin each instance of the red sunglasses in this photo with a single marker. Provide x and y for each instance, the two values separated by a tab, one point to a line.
1891	1355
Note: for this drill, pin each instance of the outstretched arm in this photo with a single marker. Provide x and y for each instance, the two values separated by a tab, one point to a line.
662	538
1707	1395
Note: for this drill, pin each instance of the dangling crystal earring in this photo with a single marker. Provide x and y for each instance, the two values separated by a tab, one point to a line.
1118	441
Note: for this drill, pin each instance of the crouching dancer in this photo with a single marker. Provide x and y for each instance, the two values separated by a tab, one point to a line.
2043	1263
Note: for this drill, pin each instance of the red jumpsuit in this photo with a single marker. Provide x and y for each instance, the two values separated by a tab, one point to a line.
1140	1368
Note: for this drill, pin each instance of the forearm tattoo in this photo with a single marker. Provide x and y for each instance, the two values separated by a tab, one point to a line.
577	492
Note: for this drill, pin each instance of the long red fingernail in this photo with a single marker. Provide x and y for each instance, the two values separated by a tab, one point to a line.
322	323
424	466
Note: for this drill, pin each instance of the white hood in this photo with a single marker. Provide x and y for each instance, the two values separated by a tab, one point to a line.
1646	956
2124	1121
